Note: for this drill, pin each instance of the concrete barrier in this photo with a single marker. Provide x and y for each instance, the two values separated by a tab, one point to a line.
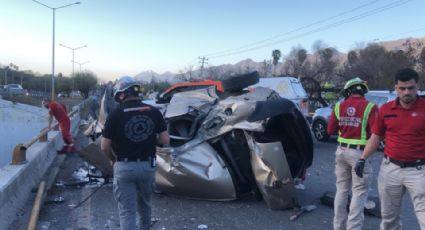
17	181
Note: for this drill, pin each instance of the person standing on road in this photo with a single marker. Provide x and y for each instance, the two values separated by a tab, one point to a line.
132	131
58	111
353	119
402	123
93	106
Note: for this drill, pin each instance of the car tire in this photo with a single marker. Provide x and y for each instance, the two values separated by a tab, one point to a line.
240	82
319	130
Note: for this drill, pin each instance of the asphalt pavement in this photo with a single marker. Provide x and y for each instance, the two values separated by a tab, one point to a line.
99	209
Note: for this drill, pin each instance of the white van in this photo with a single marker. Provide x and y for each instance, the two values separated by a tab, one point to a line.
287	87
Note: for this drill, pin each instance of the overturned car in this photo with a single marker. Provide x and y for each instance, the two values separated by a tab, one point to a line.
231	143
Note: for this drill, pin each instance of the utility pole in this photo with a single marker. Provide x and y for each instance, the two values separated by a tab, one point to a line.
202	60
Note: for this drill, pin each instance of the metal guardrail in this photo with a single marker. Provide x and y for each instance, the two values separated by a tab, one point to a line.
43	186
19	152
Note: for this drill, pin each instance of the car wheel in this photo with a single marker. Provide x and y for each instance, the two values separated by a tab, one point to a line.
319	130
240	82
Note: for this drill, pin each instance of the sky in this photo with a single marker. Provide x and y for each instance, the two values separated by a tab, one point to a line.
131	36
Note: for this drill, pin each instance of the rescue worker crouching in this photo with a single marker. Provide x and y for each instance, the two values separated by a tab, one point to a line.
352	119
58	111
132	131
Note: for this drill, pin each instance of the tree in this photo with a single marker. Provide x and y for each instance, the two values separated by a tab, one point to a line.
181	76
186	75
213	73
421	67
421	60
153	82
321	67
14	68
294	64
376	65
85	82
64	84
265	68
412	48
276	54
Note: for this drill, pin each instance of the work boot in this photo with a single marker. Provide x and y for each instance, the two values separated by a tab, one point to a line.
64	150
71	149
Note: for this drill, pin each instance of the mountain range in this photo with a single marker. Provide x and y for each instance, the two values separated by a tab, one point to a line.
249	64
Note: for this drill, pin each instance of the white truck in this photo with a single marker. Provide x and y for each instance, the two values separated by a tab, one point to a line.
287	87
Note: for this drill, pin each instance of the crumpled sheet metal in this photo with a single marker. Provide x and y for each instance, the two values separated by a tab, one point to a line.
199	168
92	128
229	114
93	155
181	103
272	174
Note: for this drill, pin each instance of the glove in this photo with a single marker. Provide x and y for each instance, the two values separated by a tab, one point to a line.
360	167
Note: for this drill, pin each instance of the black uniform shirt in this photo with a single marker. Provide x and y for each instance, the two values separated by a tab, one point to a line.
133	128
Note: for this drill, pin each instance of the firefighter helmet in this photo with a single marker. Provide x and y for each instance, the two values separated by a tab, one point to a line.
355	85
125	84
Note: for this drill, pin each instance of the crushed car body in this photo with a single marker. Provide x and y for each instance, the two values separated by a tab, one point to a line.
232	144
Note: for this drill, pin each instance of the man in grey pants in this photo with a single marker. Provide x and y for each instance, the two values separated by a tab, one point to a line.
133	130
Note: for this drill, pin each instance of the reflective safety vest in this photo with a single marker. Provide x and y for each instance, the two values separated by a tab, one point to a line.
363	137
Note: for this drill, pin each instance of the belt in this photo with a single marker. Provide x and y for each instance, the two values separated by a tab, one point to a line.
132	158
358	147
405	164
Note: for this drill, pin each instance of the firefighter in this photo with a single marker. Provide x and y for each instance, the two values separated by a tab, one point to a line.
352	119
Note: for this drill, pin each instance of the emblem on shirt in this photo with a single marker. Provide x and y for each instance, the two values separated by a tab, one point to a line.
351	111
139	128
414	114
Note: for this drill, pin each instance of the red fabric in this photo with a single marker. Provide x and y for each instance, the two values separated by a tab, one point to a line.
403	129
350	125
58	111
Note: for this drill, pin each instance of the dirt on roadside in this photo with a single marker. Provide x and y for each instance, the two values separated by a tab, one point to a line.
36	101
69	102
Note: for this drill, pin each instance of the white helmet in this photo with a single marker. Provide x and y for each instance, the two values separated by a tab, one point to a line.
123	84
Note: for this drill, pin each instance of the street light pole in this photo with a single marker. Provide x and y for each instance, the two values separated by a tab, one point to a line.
53	43
82	63
73	57
73	51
